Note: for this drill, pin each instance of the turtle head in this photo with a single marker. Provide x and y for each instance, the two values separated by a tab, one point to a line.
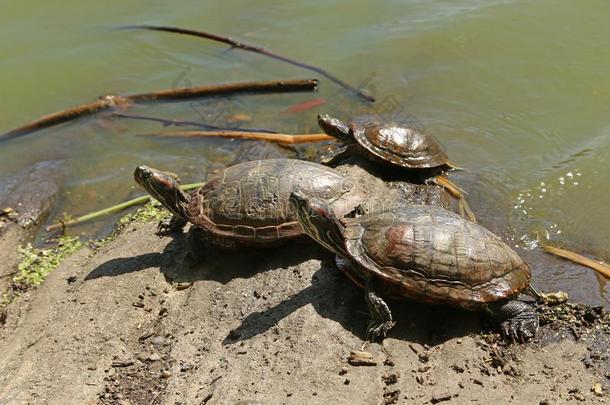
164	188
336	128
319	222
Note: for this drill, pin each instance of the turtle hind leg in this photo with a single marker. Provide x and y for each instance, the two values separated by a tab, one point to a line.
381	321
518	320
172	225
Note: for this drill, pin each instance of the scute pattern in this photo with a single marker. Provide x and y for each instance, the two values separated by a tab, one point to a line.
248	202
430	254
401	145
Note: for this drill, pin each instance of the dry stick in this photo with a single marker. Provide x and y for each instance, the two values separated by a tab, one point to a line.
112	102
286	139
457	193
111	210
601	267
255	49
175	123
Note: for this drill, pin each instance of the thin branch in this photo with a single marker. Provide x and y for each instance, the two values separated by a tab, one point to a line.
258	87
601	267
287	139
113	102
176	123
256	49
111	210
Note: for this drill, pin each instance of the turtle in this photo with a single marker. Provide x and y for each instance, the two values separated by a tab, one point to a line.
246	205
394	145
427	254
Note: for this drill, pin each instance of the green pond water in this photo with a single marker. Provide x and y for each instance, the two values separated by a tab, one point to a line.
518	92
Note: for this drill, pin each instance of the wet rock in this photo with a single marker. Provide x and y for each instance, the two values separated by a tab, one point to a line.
27	198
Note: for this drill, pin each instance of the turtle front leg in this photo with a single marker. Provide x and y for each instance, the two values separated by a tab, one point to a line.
382	320
174	224
518	320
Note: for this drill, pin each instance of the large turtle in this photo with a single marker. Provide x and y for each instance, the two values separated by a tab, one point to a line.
247	204
425	254
395	145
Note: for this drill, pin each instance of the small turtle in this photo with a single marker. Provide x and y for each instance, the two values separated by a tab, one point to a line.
426	254
394	145
247	204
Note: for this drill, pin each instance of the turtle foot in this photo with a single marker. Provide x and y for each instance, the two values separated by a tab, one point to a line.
519	320
382	320
376	330
164	228
522	327
172	225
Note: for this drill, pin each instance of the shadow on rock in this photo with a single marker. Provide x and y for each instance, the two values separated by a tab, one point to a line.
219	264
117	267
333	296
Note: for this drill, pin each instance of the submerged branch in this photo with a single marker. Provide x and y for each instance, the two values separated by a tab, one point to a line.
113	102
287	139
176	123
601	267
111	210
256	49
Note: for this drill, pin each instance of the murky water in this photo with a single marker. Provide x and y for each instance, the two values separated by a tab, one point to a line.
518	92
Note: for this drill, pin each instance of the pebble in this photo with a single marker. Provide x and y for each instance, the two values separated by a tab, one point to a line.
154	357
597	389
546	402
457	368
360	358
444	396
343	371
166	374
158	340
142	356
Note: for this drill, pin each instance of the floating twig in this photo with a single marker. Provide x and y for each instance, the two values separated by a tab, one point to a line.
177	123
256	49
600	267
111	210
286	139
113	102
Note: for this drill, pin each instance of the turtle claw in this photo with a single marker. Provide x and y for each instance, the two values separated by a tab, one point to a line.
170	225
376	330
522	327
164	228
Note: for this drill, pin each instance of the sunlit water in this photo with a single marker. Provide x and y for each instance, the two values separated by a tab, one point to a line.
518	92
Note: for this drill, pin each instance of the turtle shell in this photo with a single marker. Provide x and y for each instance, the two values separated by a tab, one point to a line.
428	254
247	204
400	145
